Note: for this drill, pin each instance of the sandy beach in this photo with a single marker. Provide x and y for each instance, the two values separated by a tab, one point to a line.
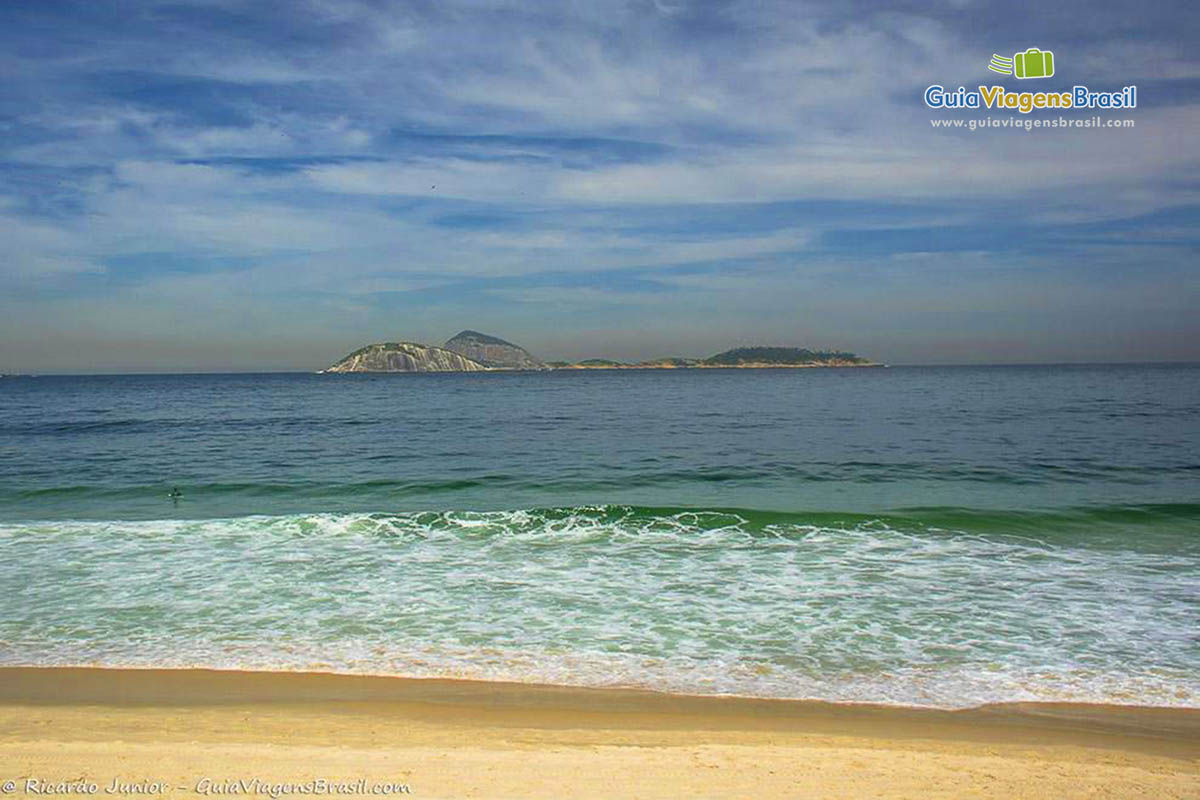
209	733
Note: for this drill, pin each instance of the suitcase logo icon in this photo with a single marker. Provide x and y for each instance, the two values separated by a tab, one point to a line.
1033	63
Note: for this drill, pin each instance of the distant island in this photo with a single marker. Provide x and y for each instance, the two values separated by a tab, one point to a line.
467	351
405	357
471	351
737	358
492	351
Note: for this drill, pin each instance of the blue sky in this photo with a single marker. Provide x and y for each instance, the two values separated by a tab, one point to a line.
233	185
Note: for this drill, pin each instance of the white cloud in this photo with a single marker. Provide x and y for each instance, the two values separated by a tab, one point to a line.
762	103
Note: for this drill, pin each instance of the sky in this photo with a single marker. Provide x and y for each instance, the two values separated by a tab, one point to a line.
213	185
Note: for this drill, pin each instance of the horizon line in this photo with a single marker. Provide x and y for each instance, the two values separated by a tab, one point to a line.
118	374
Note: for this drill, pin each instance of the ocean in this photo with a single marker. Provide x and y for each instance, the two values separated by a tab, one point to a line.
931	536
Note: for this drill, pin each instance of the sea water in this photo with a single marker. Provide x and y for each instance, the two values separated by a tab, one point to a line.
913	535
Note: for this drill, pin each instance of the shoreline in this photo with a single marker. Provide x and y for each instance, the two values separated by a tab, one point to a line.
454	738
36	683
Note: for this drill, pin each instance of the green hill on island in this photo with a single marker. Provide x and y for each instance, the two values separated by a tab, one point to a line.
738	357
783	356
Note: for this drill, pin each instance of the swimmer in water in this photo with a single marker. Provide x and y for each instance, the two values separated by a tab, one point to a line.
175	494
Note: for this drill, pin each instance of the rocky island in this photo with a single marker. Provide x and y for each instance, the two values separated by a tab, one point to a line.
471	351
405	357
492	352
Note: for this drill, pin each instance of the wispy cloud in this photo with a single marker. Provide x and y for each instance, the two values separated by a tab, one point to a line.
647	171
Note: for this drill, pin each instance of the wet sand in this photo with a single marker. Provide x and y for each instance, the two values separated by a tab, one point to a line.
187	733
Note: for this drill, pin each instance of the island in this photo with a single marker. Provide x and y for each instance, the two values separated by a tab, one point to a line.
405	357
492	351
471	351
755	357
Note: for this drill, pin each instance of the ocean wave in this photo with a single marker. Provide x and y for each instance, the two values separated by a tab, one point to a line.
938	606
1133	525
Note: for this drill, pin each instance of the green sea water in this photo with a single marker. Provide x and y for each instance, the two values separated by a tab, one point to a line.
929	536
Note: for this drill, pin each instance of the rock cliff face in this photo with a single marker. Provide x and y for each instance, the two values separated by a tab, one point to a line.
405	357
492	352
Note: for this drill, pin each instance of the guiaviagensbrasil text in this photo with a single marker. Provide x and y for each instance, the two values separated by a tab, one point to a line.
998	97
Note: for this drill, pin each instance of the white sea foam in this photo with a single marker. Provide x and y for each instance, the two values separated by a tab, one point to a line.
692	601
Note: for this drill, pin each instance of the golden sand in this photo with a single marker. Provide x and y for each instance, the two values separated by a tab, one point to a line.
190	733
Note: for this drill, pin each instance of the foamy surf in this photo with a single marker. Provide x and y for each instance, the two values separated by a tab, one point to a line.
917	609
